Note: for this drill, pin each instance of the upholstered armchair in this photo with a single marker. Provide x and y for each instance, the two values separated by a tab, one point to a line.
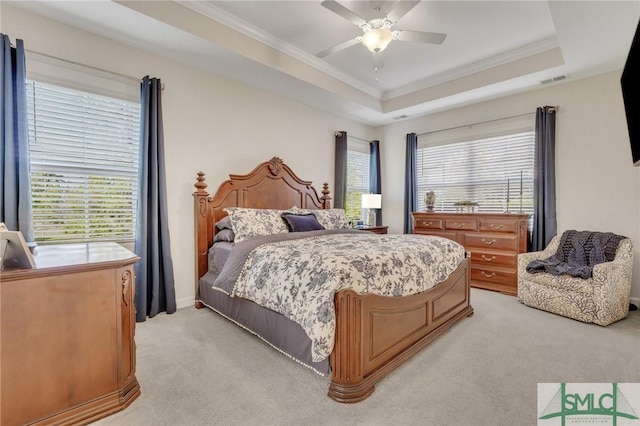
601	299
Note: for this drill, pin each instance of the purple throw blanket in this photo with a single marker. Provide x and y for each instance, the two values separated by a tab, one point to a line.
577	254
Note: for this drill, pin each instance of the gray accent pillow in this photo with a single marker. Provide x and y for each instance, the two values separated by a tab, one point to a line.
301	222
224	223
224	235
328	218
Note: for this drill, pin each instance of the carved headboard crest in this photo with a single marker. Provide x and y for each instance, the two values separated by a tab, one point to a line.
275	165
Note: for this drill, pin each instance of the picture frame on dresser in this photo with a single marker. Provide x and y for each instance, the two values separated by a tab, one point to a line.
14	252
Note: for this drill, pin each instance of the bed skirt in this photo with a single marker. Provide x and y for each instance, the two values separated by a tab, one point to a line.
272	327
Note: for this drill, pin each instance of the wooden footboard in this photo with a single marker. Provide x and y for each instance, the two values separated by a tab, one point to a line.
375	334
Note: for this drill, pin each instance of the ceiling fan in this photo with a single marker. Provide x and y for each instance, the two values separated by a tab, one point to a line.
377	32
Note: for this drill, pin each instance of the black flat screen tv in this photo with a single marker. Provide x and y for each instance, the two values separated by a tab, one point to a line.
630	82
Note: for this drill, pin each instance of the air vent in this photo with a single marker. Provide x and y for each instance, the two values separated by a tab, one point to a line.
554	79
400	117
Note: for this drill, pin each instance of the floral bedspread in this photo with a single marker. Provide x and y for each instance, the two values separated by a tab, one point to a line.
298	278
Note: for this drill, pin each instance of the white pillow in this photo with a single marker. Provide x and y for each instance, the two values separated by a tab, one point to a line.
249	223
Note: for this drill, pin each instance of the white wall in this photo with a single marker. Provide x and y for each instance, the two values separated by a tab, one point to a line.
211	124
220	126
596	184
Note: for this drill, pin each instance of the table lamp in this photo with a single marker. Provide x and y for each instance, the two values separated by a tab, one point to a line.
371	202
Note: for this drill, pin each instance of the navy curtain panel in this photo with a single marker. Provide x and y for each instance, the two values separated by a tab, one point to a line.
15	185
155	290
410	187
340	190
544	179
375	184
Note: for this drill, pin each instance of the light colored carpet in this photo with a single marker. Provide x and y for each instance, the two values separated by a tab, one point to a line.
197	368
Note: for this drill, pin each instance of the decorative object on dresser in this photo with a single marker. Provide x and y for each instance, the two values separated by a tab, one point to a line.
374	334
375	229
430	200
465	206
371	202
493	239
14	252
67	335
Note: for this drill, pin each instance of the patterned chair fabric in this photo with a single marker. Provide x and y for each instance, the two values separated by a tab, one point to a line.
601	299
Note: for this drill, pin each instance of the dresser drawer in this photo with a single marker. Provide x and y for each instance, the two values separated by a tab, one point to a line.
460	224
498	225
488	258
428	223
497	276
493	241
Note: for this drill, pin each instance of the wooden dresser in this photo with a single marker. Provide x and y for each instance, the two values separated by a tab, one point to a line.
67	349
493	239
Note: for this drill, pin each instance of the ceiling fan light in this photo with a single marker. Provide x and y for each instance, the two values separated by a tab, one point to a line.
377	40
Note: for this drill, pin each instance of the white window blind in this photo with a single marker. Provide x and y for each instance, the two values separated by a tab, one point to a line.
84	164
486	171
358	164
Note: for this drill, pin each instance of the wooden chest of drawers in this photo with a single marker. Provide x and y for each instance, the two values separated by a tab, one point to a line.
67	332
492	239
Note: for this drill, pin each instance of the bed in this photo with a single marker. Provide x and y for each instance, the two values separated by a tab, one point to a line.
373	333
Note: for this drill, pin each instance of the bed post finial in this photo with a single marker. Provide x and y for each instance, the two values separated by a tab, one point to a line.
200	184
203	233
326	199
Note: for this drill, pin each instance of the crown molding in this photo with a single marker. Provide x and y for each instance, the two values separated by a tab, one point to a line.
475	67
207	9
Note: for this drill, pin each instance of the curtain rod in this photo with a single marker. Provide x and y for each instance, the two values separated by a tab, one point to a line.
555	108
128	77
338	133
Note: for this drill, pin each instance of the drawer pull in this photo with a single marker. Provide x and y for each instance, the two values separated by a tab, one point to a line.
458	224
487	275
494	226
488	259
489	242
427	223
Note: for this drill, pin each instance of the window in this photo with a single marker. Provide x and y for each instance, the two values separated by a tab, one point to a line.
84	164
358	163
487	171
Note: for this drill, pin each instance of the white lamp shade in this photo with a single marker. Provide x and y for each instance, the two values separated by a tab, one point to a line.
371	201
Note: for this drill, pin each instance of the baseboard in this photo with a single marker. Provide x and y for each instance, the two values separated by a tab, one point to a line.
184	302
635	301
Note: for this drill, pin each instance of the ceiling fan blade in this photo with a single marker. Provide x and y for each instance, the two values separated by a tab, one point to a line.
337	48
420	37
378	61
383	6
343	11
401	9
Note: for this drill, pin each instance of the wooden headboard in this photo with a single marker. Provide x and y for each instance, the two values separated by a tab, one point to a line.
271	185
